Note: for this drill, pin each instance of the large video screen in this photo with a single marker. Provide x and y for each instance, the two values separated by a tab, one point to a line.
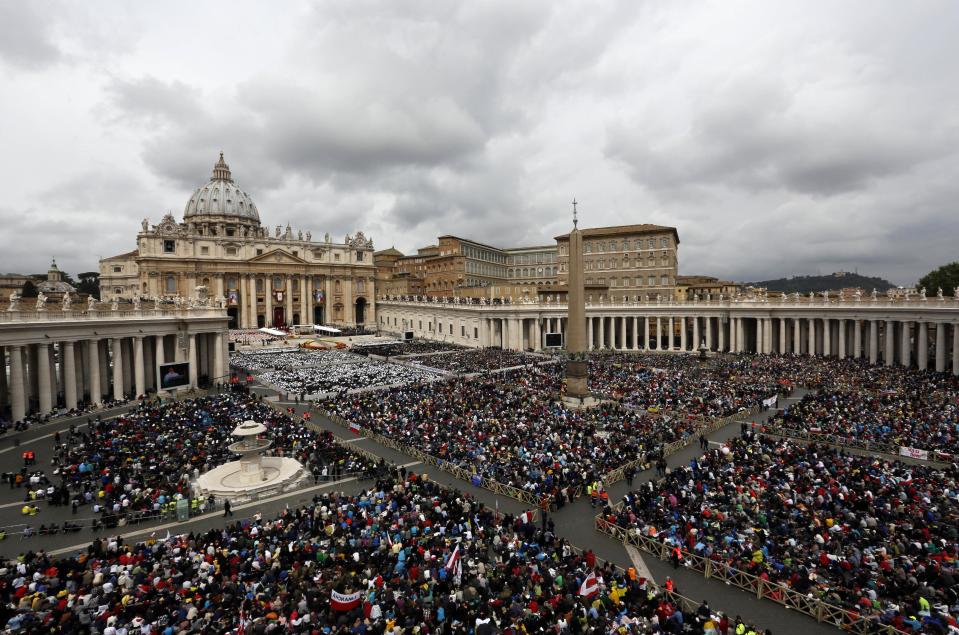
554	340
174	375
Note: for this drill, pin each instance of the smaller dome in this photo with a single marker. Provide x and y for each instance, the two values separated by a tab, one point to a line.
221	197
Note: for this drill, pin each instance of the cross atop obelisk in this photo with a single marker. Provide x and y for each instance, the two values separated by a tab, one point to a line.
575	222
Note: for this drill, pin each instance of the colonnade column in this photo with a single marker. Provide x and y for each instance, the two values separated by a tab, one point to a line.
43	378
589	333
733	332
955	349
682	333
695	333
18	404
670	338
873	341
741	335
826	340
906	350
709	332
797	336
138	379
811	336
890	343
760	336
69	362
117	353
841	346
656	334
622	333
940	347
922	346
93	368
857	339
635	333
721	345
646	333
602	332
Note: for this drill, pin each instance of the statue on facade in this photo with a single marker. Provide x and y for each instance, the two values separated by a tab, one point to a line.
41	302
14	301
136	301
115	304
875	294
955	293
309	237
145	224
720	297
300	235
67	301
91	304
922	293
825	297
278	230
857	295
327	237
939	294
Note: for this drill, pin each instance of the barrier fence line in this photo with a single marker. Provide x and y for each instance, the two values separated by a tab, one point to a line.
845	619
884	450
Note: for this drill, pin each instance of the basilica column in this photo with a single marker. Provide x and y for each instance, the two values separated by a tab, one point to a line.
138	379
857	338
873	342
220	287
890	342
268	300
43	378
117	350
922	346
18	403
940	347
4	389
253	322
69	363
304	316
289	300
906	350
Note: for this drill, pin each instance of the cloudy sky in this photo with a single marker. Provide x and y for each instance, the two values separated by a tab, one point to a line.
779	137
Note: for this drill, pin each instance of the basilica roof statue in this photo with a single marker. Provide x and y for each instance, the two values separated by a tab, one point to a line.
220	198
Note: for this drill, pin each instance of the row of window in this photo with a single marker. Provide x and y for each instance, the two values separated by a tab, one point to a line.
169	247
533	273
439	327
664	281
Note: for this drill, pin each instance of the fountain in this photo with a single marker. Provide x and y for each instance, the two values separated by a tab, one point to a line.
253	473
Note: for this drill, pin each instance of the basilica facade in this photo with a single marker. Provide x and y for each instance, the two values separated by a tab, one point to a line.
267	278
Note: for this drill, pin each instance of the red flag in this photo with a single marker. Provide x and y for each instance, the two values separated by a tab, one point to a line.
590	586
454	558
341	602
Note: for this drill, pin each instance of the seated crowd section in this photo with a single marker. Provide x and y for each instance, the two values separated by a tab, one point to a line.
405	556
872	536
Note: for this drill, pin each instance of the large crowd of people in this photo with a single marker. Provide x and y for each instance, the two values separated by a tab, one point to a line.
479	360
405	556
146	459
413	347
252	337
887	407
282	359
344	377
506	428
875	537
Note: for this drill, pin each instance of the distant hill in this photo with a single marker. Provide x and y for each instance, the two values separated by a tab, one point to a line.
830	282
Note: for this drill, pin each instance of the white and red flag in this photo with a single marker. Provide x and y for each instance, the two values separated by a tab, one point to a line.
345	601
590	586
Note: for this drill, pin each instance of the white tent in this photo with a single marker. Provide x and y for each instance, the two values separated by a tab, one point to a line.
274	332
326	329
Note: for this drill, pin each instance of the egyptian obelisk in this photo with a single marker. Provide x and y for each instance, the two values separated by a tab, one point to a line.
576	365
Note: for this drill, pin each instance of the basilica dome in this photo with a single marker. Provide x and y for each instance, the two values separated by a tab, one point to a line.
221	197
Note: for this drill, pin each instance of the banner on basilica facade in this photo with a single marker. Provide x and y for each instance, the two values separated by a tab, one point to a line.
232	297
320	295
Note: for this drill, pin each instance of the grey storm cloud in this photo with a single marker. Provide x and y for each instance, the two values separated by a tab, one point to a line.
780	138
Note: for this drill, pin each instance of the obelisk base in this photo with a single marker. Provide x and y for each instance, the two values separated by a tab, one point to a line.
577	373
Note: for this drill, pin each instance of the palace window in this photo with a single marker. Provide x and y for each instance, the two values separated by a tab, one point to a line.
169	246
664	280
359	256
117	269
652	281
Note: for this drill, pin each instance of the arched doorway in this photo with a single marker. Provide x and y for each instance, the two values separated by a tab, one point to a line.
233	313
360	311
318	314
260	321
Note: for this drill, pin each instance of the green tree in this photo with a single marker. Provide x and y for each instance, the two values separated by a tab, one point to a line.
29	290
946	276
89	284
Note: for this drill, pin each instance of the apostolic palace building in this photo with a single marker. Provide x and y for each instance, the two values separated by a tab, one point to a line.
269	278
